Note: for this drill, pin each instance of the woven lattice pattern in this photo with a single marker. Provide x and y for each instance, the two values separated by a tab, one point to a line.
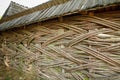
79	48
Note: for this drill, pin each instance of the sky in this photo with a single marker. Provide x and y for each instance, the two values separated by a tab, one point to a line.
30	3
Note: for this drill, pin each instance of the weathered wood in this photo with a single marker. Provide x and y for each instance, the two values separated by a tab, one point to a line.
80	47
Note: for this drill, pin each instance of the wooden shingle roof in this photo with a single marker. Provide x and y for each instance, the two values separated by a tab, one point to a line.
51	10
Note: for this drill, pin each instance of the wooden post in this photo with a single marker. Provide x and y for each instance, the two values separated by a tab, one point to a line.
39	23
24	27
108	8
91	13
84	12
101	9
114	7
60	19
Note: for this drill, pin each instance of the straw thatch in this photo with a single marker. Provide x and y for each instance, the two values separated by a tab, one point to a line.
80	48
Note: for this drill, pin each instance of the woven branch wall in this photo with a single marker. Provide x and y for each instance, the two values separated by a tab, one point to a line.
79	48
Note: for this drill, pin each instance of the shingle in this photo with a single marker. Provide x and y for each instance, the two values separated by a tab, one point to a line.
55	11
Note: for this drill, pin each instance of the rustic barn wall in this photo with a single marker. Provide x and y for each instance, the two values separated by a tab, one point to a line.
79	48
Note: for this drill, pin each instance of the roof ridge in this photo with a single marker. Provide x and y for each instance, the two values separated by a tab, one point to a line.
12	2
12	6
